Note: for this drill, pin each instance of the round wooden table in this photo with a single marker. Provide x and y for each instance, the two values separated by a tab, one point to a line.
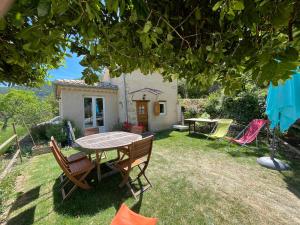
98	143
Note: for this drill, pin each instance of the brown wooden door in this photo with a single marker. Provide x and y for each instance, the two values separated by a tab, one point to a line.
142	113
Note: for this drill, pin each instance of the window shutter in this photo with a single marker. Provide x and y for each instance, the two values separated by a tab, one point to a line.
156	109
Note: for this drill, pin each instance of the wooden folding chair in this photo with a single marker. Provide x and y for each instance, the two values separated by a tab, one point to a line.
139	153
137	129
124	150
91	131
70	159
75	172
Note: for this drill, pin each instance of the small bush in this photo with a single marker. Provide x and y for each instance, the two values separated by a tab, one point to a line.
213	105
44	132
58	131
243	108
193	107
39	132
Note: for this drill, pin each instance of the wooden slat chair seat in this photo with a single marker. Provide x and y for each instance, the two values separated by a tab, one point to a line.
72	158
139	153
75	157
75	172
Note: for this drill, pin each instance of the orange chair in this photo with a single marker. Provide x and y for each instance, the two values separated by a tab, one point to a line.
125	216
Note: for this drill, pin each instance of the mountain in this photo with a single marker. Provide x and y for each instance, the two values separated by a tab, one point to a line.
41	92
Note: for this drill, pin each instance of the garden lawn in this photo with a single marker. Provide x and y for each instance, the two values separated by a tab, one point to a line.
195	181
8	132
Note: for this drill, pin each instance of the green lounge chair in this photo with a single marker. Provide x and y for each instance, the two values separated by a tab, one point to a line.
221	130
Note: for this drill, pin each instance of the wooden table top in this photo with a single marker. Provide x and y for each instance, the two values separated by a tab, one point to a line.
107	140
202	120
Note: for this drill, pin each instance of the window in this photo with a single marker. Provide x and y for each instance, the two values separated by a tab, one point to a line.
162	108
141	109
93	112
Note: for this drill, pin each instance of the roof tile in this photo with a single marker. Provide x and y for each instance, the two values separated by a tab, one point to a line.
81	83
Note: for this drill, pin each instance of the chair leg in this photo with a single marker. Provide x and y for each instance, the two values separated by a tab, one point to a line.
125	179
131	190
104	156
65	196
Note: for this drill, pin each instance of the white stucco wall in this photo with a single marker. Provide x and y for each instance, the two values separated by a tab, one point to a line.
136	81
72	105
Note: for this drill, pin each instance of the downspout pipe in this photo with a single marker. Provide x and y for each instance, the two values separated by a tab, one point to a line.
125	93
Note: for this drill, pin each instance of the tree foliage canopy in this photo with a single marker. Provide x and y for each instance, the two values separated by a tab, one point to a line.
24	106
202	41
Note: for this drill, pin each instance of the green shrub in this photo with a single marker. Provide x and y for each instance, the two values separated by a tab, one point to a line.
213	105
243	108
58	131
193	107
39	132
44	132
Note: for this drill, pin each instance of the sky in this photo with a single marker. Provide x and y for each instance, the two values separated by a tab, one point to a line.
71	70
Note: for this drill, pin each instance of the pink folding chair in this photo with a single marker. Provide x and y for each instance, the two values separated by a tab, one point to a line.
250	133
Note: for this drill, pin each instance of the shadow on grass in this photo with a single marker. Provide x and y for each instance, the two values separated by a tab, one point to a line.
89	202
25	198
292	178
198	136
25	218
248	152
163	134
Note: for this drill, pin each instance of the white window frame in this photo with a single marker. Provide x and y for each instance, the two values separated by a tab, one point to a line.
165	108
101	128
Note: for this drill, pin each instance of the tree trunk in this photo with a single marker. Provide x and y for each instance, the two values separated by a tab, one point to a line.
5	123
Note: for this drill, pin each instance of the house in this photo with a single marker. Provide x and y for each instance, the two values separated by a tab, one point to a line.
135	98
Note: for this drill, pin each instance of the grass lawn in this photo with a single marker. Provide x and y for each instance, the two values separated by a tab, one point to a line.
8	132
195	181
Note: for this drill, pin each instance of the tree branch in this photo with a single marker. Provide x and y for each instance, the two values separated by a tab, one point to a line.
186	18
179	35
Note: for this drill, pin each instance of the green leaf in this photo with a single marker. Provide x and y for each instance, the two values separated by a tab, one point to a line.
115	6
170	37
2	23
158	30
147	27
43	7
217	5
237	5
122	7
74	22
89	12
133	16
112	5
198	13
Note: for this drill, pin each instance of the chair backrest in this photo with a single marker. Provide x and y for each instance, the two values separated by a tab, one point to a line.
137	129
140	149
222	128
59	158
91	130
253	130
74	179
58	151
